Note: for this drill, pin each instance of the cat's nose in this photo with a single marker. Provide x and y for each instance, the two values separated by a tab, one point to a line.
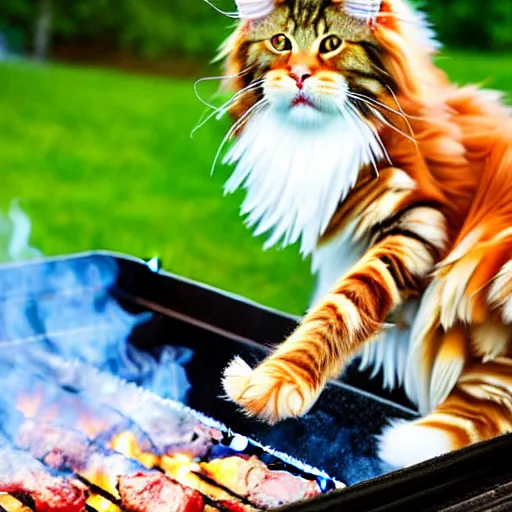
300	74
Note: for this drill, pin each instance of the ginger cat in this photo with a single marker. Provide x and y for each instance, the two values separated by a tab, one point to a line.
398	184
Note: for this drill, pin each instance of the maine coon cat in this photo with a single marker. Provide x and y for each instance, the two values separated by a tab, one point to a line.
398	184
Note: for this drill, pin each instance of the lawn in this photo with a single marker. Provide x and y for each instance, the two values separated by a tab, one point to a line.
103	160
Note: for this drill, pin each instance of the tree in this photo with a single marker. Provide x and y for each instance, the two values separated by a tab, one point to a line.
43	29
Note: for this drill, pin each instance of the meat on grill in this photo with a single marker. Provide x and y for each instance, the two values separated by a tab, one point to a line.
187	475
68	450
251	479
157	493
139	489
22	475
168	426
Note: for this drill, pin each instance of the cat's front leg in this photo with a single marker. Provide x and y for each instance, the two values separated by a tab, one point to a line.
288	382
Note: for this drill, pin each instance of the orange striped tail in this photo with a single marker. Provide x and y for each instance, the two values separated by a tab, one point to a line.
478	409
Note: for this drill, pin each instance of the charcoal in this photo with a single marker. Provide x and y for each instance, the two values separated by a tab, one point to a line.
23	475
252	480
157	493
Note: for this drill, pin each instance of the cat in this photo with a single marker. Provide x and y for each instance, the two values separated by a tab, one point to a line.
352	143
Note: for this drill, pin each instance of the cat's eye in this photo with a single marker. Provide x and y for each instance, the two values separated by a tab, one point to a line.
330	44
281	43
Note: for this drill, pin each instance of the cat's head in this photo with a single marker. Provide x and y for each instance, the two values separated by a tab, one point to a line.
315	82
314	58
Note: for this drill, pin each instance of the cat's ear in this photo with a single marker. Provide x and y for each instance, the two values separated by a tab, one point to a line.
367	10
254	9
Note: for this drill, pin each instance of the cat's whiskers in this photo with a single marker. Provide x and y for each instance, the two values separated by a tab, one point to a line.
218	112
237	125
374	131
208	79
355	118
213	78
363	98
383	119
401	110
409	116
233	15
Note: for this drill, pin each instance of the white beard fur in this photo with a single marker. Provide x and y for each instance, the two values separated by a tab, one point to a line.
297	167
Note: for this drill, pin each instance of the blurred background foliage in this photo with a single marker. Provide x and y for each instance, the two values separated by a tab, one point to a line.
161	28
147	28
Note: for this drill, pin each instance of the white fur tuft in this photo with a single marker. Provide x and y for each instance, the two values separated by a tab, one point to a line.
266	393
405	444
389	351
297	174
236	376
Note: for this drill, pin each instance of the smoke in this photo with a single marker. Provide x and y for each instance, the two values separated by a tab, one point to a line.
15	230
64	307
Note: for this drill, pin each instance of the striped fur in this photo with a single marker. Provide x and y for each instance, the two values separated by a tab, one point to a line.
412	247
477	409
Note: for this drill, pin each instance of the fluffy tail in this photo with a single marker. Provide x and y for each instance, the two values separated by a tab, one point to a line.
479	408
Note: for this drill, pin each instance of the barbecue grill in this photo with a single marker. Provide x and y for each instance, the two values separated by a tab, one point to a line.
112	401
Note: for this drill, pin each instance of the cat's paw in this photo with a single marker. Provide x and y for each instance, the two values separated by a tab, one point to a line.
269	392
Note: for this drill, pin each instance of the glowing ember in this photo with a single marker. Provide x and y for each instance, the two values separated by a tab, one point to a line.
228	470
100	479
179	466
117	457
224	480
127	445
101	504
185	471
11	504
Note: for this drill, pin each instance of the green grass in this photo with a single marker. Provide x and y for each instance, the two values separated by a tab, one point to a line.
102	160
